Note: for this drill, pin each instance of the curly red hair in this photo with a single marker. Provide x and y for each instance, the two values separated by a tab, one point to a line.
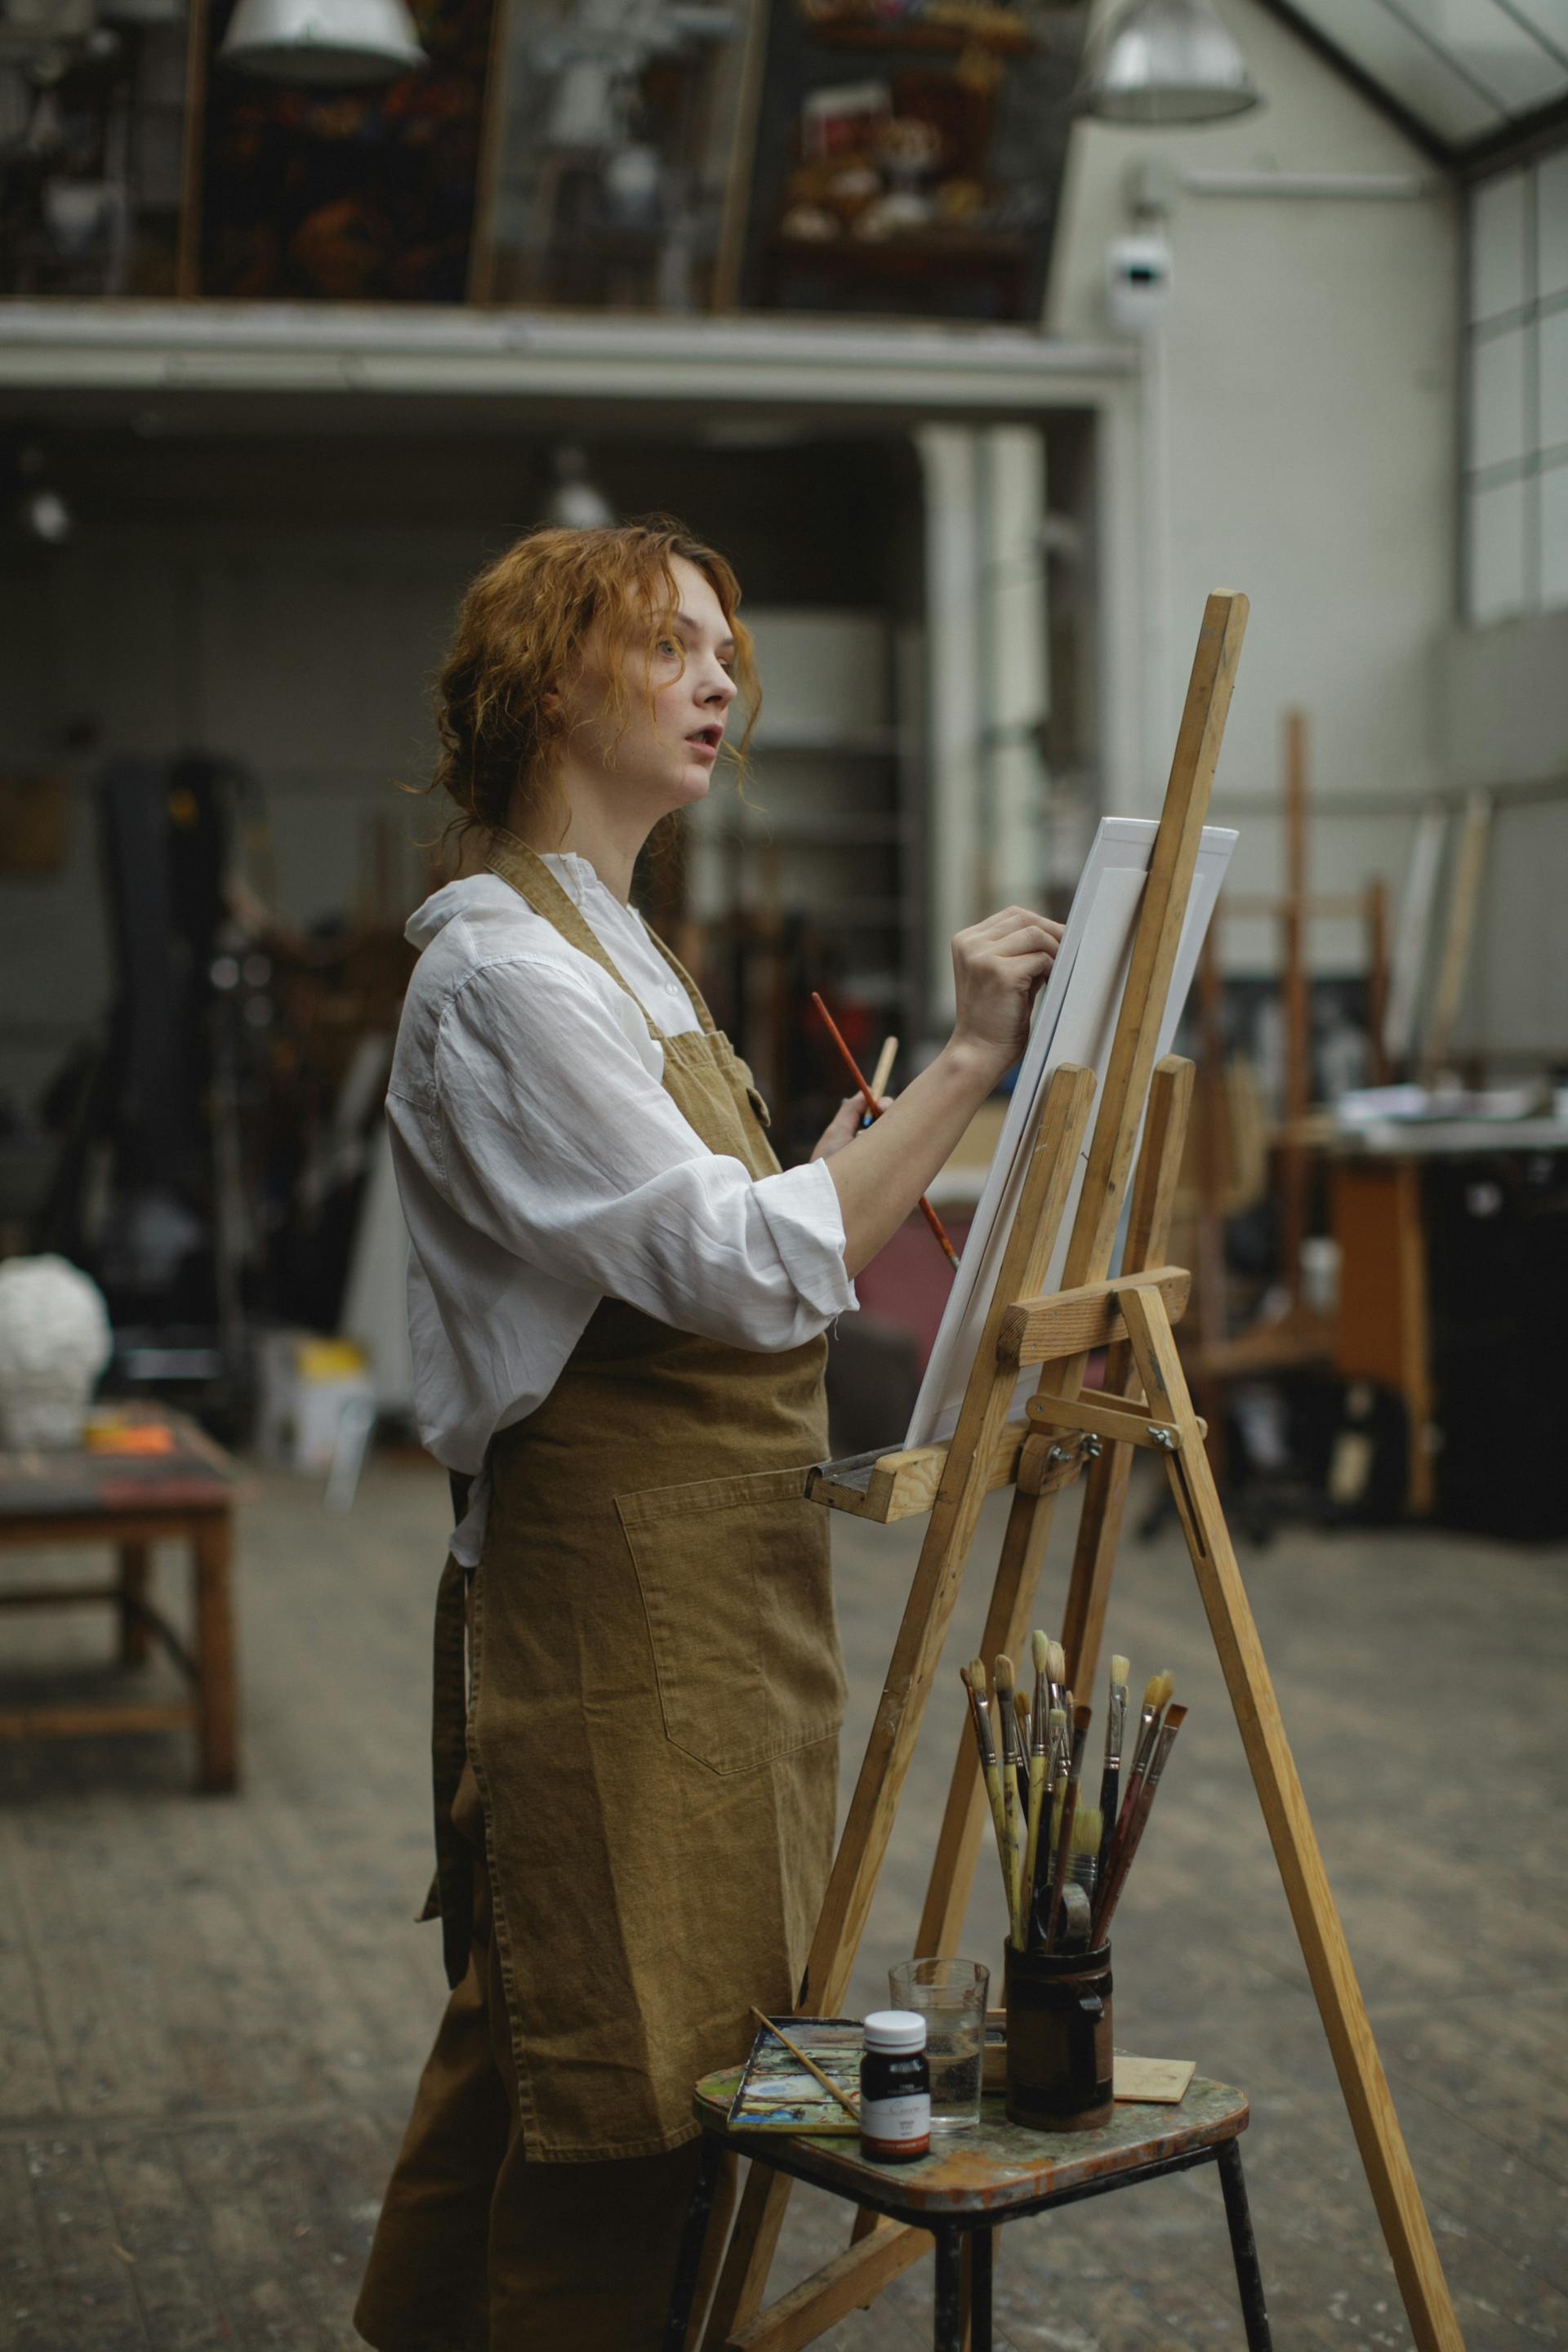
523	629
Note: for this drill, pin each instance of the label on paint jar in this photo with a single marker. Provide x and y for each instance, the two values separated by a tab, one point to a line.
900	2126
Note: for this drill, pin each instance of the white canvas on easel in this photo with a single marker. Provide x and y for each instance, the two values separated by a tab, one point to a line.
1075	1021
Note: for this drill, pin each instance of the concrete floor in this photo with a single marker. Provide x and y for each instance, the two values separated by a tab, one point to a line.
212	2011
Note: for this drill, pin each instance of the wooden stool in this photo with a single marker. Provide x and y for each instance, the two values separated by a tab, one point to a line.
971	2184
170	1480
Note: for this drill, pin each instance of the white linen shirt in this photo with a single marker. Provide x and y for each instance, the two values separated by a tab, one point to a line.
542	1167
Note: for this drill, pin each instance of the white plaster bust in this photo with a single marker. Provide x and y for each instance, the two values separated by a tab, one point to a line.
54	1341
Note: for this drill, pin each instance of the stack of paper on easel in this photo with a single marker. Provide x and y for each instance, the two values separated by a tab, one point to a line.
1075	1021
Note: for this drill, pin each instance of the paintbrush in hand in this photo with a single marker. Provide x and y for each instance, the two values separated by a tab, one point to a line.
884	1069
874	1111
1111	1893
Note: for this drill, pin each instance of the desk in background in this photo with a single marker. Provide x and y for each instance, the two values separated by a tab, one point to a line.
1453	1239
168	1481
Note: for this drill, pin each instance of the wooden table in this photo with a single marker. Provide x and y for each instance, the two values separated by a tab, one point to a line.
183	1491
970	2185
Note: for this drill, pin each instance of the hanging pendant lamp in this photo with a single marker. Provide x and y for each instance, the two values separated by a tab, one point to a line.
322	43
1164	61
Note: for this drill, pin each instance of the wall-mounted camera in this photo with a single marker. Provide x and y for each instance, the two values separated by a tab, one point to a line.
1137	282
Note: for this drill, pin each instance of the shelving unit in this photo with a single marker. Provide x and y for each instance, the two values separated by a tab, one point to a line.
815	872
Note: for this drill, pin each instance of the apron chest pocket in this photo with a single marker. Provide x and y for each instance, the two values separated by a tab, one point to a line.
737	1590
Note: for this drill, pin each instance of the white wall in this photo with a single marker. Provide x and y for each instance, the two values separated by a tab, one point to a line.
1305	452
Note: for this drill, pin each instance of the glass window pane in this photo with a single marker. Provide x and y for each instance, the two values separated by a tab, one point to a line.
1427	84
1496	550
1549	18
1551	360
1553	489
1552	224
1497	245
1497	399
1494	48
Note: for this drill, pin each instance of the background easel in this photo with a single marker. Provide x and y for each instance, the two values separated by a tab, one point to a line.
1066	1428
1296	1334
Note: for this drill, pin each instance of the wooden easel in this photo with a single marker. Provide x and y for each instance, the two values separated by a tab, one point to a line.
1299	1334
1068	1429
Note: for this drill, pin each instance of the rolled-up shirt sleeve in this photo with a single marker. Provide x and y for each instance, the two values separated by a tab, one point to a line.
558	1142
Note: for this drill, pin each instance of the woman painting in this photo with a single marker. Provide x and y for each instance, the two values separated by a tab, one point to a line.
618	1303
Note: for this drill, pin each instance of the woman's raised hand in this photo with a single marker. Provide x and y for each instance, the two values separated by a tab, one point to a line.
999	967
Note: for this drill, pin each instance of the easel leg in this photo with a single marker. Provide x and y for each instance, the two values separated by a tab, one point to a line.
1384	2154
744	2281
1105	1489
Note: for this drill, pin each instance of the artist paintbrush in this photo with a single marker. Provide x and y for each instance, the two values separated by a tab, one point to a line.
874	1108
798	2054
1111	1892
1038	1889
1064	1835
1156	1697
1039	1736
1057	1676
1021	1757
1083	1863
1110	1774
1012	1816
973	1676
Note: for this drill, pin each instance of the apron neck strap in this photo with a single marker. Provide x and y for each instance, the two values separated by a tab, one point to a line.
529	875
699	1004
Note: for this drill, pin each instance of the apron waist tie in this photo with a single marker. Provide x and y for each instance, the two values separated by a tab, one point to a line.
452	1894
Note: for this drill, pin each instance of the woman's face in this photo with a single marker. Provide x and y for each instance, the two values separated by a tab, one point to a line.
676	704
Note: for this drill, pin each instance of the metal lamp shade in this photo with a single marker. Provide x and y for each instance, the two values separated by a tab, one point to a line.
330	43
1164	61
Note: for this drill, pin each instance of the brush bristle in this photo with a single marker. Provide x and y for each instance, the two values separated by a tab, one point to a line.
1156	1691
1040	1651
1087	1828
1174	1718
1059	1663
1059	1723
977	1674
1120	1670
1167	1684
967	1679
1004	1673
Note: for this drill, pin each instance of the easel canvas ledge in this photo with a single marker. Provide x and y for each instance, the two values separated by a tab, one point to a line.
1132	1315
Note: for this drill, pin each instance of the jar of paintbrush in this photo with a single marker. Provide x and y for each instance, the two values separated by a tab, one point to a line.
1064	1864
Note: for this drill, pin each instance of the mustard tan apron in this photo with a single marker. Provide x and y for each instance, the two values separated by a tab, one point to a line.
656	1685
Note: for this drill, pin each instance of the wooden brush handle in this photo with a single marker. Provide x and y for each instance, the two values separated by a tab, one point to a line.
1064	1849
